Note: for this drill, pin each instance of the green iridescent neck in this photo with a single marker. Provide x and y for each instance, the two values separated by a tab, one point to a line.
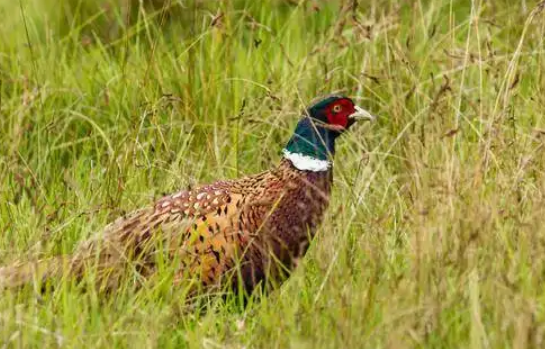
312	141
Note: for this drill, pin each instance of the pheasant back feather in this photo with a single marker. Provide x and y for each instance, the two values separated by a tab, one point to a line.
221	233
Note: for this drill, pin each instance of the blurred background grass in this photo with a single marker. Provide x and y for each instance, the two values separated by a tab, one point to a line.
435	236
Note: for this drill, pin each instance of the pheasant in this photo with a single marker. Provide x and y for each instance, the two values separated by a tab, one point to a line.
232	233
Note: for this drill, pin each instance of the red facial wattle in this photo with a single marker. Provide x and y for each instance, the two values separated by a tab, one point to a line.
338	113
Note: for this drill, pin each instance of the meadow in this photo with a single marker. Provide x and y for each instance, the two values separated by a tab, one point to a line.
435	236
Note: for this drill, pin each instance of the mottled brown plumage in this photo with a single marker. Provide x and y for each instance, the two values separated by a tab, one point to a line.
237	233
258	223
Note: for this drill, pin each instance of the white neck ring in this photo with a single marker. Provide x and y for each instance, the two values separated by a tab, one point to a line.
306	163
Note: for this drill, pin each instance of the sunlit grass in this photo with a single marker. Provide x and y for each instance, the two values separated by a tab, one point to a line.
435	234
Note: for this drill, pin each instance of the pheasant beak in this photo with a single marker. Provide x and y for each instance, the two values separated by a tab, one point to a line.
361	114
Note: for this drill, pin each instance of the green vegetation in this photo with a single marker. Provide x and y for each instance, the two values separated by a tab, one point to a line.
435	237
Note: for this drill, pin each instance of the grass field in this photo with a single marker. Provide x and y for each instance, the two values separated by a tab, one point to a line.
435	237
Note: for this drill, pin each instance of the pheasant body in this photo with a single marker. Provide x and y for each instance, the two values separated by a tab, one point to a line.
227	234
259	225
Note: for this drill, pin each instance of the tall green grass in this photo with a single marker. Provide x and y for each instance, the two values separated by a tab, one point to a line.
435	234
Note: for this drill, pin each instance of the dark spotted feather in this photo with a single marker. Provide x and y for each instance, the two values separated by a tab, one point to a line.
248	229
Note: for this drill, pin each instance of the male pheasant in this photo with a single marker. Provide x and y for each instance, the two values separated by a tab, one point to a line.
234	233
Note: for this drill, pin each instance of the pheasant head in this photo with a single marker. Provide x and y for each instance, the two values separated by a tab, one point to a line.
313	143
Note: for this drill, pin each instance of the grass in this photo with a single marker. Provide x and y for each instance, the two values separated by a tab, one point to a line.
435	237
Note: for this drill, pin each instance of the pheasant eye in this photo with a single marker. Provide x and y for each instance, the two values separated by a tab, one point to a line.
337	108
